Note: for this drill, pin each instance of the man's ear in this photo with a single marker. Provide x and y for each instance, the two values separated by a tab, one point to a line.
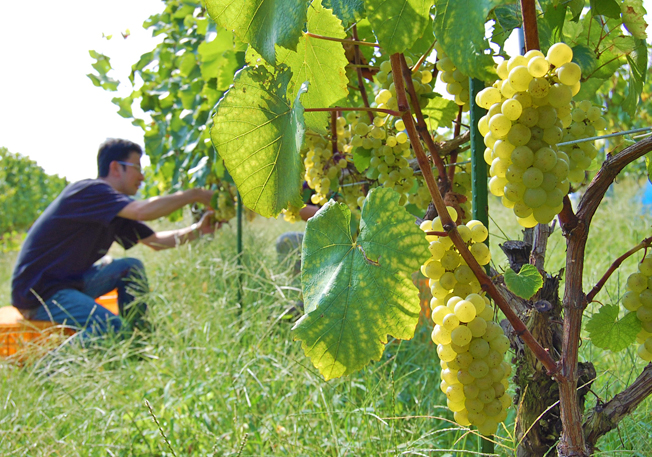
114	169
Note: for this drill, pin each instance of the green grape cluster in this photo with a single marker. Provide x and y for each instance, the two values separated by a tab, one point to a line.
471	348
529	106
587	120
225	203
638	299
457	83
352	193
323	168
291	213
390	151
462	186
449	274
421	198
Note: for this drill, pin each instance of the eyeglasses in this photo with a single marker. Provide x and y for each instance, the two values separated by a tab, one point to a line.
129	164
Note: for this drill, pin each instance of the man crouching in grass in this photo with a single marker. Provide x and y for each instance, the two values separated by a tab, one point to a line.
56	277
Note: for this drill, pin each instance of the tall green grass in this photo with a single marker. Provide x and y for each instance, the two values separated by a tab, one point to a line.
225	378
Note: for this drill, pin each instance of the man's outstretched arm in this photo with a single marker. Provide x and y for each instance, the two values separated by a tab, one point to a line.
155	207
173	238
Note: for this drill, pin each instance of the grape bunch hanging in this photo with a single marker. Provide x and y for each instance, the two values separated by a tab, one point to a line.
529	108
470	345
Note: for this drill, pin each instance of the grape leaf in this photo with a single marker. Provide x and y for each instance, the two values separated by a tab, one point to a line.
507	17
609	8
358	291
526	283
608	332
218	59
320	62
576	7
637	72
459	28
258	133
633	13
552	25
584	56
648	165
398	24
441	112
347	10
361	158
262	23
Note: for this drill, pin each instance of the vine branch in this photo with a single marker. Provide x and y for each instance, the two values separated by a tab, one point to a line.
605	417
421	126
541	354
341	40
355	108
361	87
334	131
611	167
614	266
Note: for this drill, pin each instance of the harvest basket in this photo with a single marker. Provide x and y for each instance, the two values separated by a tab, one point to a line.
21	339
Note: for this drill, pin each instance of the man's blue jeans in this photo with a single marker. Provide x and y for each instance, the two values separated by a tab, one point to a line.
78	308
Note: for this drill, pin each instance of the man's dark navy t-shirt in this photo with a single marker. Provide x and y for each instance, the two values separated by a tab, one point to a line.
74	232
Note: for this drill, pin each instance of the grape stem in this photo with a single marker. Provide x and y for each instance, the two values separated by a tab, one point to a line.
341	40
421	126
646	243
355	65
454	152
358	60
423	58
354	108
334	131
450	227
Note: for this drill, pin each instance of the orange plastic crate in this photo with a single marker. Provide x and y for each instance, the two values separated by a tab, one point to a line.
21	338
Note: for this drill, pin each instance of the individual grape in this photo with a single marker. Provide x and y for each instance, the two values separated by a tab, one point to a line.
465	311
569	73
559	54
637	282
450	323
532	178
538	67
519	135
461	335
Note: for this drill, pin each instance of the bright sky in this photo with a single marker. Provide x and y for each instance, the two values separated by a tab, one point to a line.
49	109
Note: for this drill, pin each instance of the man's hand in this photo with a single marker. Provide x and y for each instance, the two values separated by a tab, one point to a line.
203	196
207	224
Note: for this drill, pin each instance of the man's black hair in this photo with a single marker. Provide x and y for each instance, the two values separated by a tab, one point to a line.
114	149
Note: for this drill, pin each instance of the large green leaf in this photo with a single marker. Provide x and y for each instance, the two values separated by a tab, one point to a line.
507	17
637	70
320	62
347	10
609	8
608	332
262	23
459	28
218	59
358	291
398	24
552	23
258	133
